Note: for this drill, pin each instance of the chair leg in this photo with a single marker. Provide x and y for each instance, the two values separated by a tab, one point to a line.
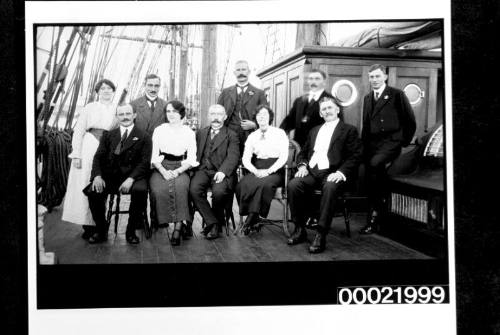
117	212
285	218
347	218
147	229
226	221
110	209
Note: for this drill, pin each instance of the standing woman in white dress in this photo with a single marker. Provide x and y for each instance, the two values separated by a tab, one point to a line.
94	118
174	152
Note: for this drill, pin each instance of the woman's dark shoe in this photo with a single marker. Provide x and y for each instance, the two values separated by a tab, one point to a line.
176	235
98	238
87	234
187	231
299	236
250	221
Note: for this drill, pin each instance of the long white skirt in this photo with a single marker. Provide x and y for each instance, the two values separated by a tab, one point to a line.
76	204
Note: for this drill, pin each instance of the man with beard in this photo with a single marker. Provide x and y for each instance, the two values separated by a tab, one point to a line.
121	164
304	114
328	160
218	154
150	109
240	102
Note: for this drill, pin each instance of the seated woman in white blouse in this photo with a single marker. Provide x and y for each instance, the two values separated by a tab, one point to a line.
266	152
174	152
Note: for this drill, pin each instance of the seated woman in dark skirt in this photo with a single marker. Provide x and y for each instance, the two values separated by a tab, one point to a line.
174	152
266	152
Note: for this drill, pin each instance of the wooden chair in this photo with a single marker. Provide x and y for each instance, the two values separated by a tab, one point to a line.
281	192
117	211
228	213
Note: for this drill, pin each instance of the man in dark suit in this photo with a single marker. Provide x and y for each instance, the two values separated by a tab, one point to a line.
304	114
328	160
121	164
218	153
150	109
240	102
388	125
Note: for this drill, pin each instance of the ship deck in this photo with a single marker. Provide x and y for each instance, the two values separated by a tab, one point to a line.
268	245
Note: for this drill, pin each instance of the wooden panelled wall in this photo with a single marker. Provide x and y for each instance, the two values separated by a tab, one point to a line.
284	84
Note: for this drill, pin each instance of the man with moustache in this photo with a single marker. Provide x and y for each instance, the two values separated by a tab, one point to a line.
328	160
218	153
121	164
240	102
388	125
150	109
304	114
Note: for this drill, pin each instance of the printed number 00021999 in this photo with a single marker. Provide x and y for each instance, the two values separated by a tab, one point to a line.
392	295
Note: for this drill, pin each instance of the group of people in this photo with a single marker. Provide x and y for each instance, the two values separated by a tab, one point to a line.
143	148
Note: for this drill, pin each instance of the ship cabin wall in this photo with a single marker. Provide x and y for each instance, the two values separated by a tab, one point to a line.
418	73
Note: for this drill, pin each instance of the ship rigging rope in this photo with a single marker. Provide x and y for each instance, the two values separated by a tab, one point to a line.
53	144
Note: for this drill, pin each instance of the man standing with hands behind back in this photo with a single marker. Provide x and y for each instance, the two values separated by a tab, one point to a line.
150	109
304	114
388	125
240	102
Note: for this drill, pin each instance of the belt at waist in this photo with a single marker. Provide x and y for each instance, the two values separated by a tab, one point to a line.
96	132
171	157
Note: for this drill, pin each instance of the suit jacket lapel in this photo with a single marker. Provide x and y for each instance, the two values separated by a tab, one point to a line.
203	140
158	112
336	133
381	100
233	95
130	139
115	138
221	136
145	110
302	107
246	95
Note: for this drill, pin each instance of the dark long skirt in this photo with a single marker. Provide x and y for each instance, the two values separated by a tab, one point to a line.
254	194
170	197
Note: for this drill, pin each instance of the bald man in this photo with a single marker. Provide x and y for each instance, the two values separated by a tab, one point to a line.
218	153
121	164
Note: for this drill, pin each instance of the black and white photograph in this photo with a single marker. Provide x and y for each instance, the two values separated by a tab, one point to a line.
248	164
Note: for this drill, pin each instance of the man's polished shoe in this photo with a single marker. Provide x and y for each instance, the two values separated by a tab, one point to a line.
318	244
299	236
132	238
213	233
98	238
371	227
87	234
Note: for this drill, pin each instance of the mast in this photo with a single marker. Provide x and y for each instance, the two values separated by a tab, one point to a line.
183	63
208	71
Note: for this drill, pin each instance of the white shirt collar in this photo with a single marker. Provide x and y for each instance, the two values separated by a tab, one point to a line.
380	89
332	124
129	128
150	97
315	95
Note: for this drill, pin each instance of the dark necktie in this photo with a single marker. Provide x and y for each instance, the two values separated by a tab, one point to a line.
120	145
152	106
376	95
213	132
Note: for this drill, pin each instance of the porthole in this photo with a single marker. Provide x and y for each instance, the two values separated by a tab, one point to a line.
414	93
345	91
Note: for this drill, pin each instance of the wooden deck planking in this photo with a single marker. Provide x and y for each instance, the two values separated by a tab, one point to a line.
269	245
